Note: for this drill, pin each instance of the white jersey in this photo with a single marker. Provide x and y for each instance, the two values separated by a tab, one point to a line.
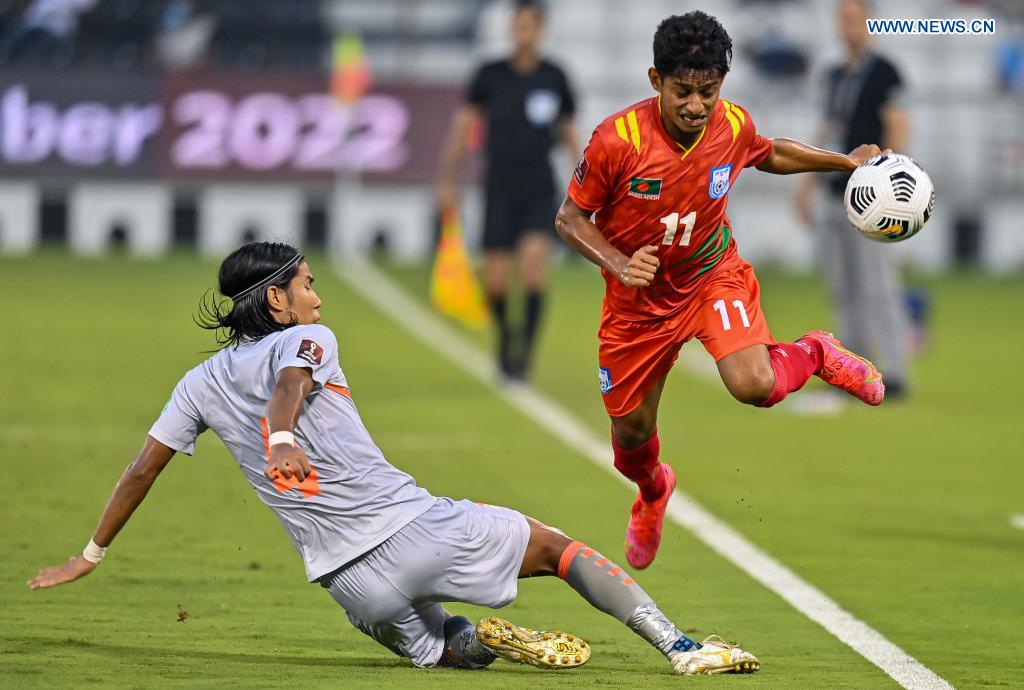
353	499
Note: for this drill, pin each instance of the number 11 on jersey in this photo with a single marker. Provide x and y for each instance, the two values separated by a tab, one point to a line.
671	223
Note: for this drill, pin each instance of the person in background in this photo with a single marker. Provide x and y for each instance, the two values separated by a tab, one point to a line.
528	106
863	105
47	30
183	37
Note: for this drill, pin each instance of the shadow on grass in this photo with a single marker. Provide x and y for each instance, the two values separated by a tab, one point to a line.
126	651
143	653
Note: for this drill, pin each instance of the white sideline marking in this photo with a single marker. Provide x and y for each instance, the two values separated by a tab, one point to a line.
1017	521
381	291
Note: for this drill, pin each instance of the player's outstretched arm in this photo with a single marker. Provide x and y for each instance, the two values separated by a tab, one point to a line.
574	226
294	384
455	146
128	494
789	156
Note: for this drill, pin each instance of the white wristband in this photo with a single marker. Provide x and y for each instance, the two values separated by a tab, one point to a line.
94	553
279	437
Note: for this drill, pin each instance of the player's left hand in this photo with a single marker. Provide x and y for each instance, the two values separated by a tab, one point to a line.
76	567
865	152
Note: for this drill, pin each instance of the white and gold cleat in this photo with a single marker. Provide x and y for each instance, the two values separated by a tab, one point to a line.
716	656
550	649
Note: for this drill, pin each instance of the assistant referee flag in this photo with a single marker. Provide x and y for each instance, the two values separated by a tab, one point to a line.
454	289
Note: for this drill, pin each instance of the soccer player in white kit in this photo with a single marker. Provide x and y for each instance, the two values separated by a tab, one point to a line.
386	549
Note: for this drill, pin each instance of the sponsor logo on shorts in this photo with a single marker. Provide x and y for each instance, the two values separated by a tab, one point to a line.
719	184
581	170
604	377
310	351
645	188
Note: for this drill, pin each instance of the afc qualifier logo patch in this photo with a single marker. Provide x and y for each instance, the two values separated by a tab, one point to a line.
310	351
604	377
581	170
719	184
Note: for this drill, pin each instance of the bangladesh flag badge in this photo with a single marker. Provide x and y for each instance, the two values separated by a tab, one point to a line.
645	188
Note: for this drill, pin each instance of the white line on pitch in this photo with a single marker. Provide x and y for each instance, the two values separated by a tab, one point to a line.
1017	520
381	291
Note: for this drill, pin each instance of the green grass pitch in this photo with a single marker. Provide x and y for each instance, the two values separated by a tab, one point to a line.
900	513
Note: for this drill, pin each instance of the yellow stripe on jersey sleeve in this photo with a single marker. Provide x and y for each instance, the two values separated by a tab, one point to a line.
633	136
732	122
620	127
737	111
634	129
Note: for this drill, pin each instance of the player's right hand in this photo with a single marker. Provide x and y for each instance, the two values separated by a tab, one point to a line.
76	567
286	460
639	270
866	152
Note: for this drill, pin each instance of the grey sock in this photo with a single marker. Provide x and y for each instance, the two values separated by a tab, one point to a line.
462	649
609	588
605	585
651	624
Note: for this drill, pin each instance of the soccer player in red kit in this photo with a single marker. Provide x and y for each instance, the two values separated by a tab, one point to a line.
655	178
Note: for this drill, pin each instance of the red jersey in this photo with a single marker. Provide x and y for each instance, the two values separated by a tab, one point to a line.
648	190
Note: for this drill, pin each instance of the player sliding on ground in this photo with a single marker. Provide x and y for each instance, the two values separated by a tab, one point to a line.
657	176
384	548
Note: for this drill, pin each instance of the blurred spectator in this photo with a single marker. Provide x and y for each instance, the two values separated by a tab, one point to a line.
1010	65
528	106
46	30
863	106
183	37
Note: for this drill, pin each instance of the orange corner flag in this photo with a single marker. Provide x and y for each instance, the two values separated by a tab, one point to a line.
454	289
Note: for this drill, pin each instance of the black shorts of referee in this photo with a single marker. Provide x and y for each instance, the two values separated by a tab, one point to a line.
517	205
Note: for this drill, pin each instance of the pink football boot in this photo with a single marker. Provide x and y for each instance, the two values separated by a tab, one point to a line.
843	369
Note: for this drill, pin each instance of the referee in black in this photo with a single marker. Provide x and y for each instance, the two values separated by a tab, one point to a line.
526	106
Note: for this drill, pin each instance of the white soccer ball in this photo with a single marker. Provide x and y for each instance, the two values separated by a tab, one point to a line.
889	198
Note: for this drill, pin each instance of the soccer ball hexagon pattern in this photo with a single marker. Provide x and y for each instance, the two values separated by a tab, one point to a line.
889	198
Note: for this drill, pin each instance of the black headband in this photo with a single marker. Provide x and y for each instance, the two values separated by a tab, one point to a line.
269	279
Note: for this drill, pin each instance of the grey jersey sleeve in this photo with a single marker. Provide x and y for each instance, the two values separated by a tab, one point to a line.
311	347
180	423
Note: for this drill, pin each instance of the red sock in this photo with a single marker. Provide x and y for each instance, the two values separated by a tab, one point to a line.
641	466
793	364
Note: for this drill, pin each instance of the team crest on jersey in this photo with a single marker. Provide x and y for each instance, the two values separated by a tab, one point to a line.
605	378
310	351
645	188
719	185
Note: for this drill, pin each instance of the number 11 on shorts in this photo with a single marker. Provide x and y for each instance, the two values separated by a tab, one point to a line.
720	307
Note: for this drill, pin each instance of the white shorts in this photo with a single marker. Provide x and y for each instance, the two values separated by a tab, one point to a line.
456	551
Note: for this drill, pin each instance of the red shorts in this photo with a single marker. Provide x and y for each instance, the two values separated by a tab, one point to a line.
724	314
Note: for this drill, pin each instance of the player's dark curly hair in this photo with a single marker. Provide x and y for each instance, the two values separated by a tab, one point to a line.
536	5
691	41
248	317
